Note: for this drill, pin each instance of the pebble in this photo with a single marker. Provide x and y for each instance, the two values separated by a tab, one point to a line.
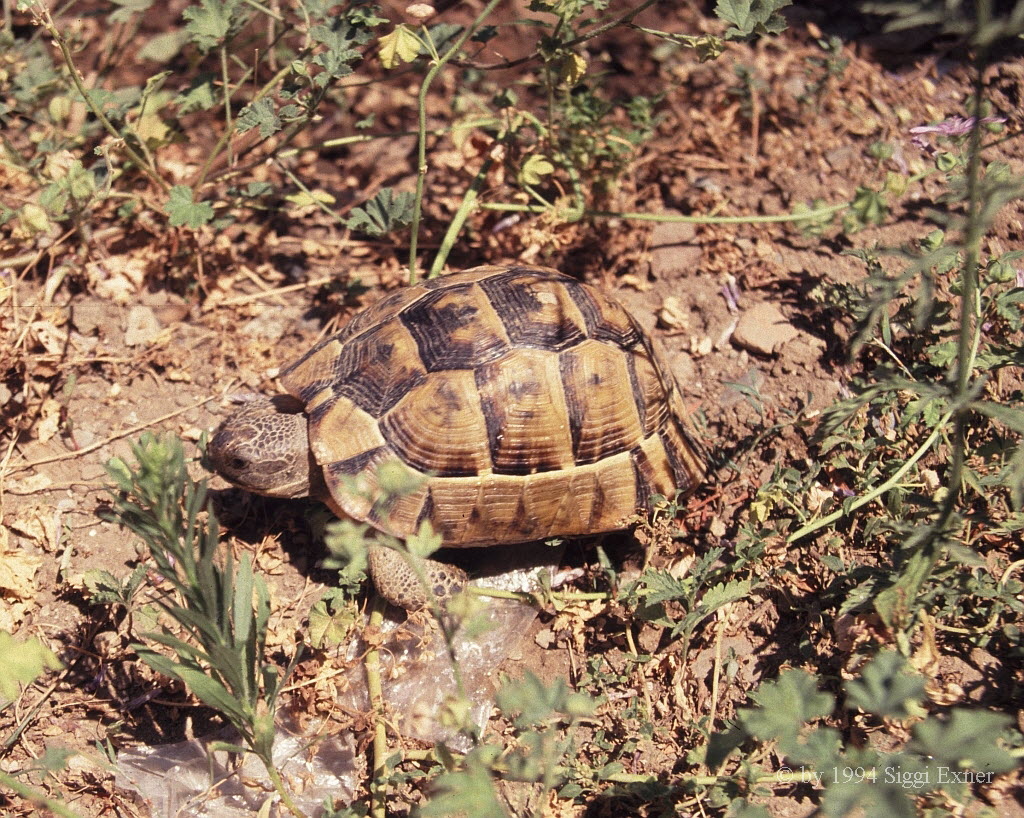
142	327
764	329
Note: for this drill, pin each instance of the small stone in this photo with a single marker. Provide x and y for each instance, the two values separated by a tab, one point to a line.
271	325
699	347
763	329
668	233
672	314
90	316
672	249
675	260
142	327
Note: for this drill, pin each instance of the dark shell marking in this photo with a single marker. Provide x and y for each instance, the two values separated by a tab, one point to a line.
533	404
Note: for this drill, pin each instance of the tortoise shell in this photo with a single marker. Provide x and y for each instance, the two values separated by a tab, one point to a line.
531	404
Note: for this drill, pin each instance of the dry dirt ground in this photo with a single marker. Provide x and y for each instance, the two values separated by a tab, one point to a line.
156	329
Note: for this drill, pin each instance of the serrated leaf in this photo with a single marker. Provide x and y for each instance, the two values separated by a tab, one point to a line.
886	688
387	211
750	18
183	210
719	595
535	168
785	706
339	55
401	45
967	740
330	625
661	586
425	541
209	22
1009	416
23	663
259	114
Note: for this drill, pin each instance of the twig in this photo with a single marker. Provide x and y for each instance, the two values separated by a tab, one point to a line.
421	169
116	436
378	786
250	297
877	491
41	16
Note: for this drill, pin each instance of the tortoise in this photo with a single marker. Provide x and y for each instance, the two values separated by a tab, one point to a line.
530	404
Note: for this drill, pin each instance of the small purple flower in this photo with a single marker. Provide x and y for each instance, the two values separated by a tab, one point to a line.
954	126
731	295
1019	279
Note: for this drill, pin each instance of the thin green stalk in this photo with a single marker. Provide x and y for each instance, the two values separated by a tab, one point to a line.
676	218
43	18
877	491
923	562
226	81
973	234
421	170
295	180
378	786
37	798
227	135
457	222
282	791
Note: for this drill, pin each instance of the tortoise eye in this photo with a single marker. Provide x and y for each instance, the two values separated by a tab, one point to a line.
239	463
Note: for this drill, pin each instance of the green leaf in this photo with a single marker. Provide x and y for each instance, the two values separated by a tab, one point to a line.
661	586
209	22
184	211
751	18
535	168
966	741
886	689
722	594
387	211
401	45
785	706
22	663
469	793
1009	416
128	9
425	541
442	35
198	97
331	620
338	57
260	114
164	47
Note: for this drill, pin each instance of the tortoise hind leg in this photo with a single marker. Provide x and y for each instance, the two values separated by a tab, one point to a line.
397	582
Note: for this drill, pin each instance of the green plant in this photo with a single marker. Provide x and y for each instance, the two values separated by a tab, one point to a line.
535	755
943	758
222	607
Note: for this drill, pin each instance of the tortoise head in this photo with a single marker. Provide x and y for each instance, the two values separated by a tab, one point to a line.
264	448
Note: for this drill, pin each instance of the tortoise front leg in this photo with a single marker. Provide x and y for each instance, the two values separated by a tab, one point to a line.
398	583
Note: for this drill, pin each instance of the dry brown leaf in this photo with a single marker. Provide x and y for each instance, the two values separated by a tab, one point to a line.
672	315
49	422
17	570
